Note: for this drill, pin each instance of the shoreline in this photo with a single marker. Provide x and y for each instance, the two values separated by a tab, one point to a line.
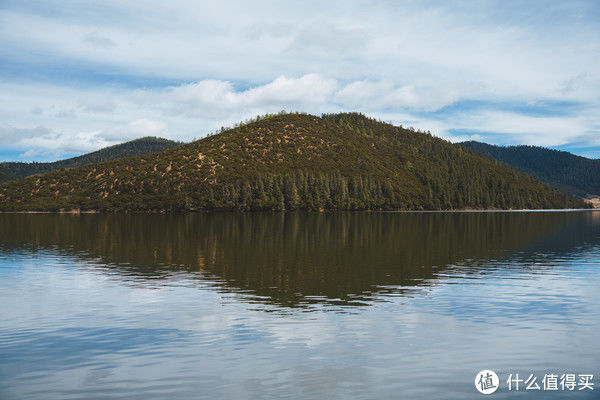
78	212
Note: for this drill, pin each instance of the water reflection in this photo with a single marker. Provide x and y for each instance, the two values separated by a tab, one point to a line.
154	307
299	259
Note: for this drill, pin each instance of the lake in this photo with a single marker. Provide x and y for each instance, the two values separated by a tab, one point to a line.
296	305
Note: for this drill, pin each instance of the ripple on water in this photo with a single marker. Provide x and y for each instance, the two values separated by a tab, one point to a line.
317	306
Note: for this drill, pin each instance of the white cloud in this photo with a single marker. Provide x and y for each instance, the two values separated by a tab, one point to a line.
360	92
282	92
10	134
398	60
97	105
267	29
191	110
539	131
68	113
59	143
43	142
30	154
306	90
324	37
37	110
97	39
133	130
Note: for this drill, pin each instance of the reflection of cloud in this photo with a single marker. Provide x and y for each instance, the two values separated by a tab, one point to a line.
318	332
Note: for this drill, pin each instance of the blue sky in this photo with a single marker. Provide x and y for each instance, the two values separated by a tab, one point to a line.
77	76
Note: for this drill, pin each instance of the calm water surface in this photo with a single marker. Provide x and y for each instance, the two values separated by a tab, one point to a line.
299	306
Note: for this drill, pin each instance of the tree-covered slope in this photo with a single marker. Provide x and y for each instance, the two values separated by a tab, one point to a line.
578	176
292	161
15	170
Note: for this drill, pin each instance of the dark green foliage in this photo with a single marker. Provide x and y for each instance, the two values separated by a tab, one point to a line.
10	171
292	161
575	175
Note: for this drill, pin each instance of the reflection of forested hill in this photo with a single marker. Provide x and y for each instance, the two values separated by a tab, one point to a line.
288	257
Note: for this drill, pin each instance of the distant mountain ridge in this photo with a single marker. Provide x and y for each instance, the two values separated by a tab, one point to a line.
292	161
572	174
10	171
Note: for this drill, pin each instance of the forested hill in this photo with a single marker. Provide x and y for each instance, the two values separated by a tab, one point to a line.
572	174
15	170
292	161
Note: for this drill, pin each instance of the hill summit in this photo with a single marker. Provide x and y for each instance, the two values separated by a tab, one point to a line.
292	161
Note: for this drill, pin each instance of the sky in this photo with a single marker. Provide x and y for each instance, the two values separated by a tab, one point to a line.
78	76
